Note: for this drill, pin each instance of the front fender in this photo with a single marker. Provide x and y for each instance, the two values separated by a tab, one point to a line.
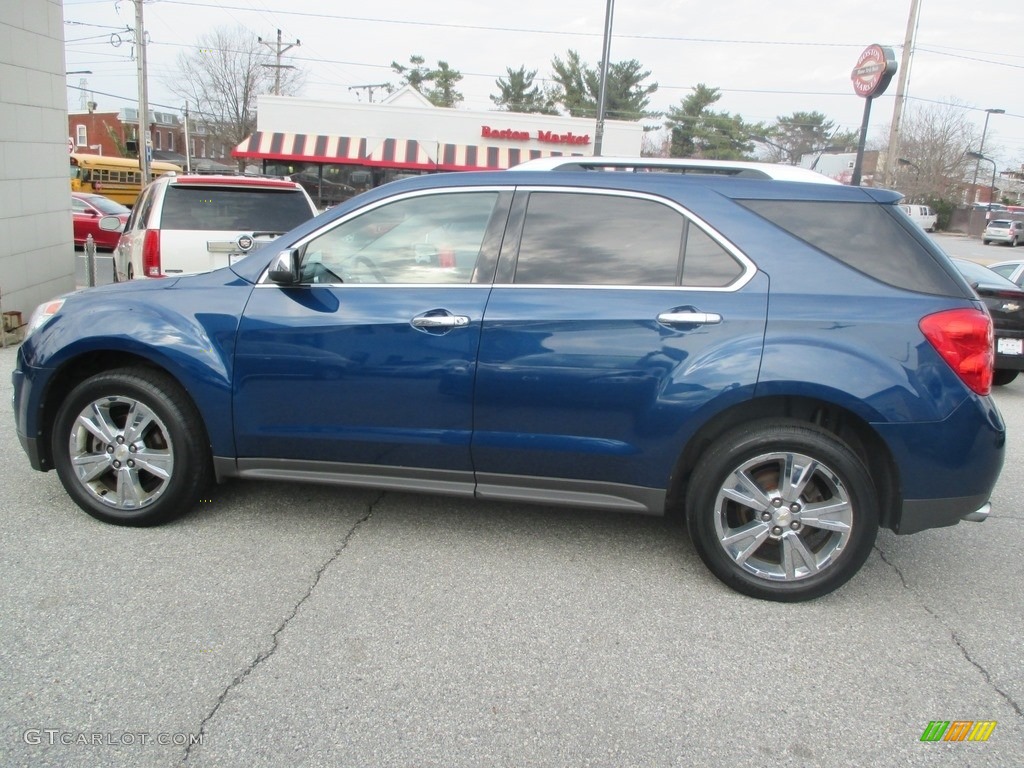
189	334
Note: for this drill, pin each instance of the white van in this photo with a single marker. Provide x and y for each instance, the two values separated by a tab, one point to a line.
185	224
922	215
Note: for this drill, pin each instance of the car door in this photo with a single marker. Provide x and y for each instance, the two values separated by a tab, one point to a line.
366	367
615	321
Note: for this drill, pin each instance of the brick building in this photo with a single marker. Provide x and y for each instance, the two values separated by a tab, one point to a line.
108	133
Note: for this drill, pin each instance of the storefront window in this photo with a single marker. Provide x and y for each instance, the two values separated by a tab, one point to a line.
330	184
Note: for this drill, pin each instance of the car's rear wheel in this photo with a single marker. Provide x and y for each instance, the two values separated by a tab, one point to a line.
1002	377
782	510
130	449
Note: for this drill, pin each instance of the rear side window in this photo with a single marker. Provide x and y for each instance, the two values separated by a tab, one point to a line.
863	236
248	209
586	239
139	216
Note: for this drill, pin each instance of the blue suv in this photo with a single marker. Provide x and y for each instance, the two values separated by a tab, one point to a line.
789	365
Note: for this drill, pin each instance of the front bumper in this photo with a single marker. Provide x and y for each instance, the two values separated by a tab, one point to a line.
27	435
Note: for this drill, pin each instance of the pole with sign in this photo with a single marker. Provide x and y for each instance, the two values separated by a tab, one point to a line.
875	69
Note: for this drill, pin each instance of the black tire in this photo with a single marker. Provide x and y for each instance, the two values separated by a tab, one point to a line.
1002	377
985	242
126	474
776	522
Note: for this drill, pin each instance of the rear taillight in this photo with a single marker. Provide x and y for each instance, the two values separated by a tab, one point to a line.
964	339
151	254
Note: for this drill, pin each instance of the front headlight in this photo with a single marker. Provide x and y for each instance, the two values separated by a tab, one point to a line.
42	315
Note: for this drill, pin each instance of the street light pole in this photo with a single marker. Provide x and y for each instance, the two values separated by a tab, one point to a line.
980	156
992	190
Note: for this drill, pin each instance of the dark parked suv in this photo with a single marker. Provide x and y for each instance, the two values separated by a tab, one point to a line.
789	365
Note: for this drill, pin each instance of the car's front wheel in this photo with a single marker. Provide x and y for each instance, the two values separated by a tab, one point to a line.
782	510
130	449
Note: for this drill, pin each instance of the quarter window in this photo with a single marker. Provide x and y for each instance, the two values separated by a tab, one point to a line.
425	239
706	264
863	236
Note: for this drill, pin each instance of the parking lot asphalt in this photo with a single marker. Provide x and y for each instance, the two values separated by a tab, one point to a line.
289	625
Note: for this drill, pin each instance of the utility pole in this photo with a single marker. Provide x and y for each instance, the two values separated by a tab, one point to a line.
901	88
188	144
279	50
140	60
368	88
603	89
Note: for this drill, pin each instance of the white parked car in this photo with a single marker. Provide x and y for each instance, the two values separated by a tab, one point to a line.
195	223
921	215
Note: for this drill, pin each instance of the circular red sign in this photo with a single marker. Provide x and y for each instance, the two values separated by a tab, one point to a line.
874	70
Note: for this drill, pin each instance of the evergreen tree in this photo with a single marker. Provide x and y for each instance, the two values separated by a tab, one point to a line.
578	88
518	93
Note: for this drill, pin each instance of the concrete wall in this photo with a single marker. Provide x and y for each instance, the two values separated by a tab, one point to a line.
36	249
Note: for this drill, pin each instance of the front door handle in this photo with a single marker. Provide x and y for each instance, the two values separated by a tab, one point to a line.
439	320
689	317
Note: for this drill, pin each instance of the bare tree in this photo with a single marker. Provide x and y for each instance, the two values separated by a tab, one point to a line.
932	165
221	78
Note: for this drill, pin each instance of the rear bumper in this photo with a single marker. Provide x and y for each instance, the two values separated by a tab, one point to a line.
948	469
920	515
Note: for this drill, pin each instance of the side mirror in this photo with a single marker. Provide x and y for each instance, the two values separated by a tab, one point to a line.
284	269
110	224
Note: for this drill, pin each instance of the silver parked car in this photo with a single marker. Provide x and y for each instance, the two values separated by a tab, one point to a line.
1003	231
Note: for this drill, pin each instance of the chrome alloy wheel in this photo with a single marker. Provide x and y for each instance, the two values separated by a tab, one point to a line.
121	452
783	516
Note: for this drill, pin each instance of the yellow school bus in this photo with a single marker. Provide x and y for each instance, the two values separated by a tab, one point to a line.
118	178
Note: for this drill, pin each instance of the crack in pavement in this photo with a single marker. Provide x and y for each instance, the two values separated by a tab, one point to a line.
262	656
956	640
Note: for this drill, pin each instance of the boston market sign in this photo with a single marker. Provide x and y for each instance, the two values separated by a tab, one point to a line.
874	70
547	137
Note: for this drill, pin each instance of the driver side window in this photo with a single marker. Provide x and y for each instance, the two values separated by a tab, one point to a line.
424	239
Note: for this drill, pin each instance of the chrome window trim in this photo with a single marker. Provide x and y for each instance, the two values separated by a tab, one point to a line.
749	268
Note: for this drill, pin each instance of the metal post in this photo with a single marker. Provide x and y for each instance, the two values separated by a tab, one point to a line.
90	261
858	165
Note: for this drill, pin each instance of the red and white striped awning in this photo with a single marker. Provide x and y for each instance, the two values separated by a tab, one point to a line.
389	153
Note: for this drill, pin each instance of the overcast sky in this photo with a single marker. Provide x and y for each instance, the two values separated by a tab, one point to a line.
768	58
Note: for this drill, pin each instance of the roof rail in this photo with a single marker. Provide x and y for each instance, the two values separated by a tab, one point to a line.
737	168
